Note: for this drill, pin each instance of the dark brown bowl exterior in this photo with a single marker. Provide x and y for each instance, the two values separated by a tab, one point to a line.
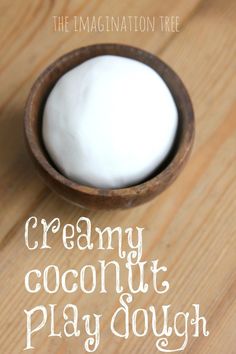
94	198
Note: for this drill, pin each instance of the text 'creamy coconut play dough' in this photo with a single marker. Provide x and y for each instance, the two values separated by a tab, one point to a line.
109	122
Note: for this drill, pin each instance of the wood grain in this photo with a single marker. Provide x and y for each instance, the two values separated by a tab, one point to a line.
190	228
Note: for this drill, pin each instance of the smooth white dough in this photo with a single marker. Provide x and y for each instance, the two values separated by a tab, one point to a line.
109	122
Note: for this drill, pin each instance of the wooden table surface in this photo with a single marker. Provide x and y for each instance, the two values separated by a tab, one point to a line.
190	228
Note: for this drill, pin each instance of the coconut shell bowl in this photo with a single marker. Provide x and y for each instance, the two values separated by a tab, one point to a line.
95	198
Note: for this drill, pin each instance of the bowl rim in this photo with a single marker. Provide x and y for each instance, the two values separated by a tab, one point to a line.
176	163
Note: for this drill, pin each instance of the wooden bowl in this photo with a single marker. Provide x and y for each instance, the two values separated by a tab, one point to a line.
96	198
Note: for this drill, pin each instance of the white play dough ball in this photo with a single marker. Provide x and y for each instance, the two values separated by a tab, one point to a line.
109	122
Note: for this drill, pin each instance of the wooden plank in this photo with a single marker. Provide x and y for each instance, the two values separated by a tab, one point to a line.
190	227
23	59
